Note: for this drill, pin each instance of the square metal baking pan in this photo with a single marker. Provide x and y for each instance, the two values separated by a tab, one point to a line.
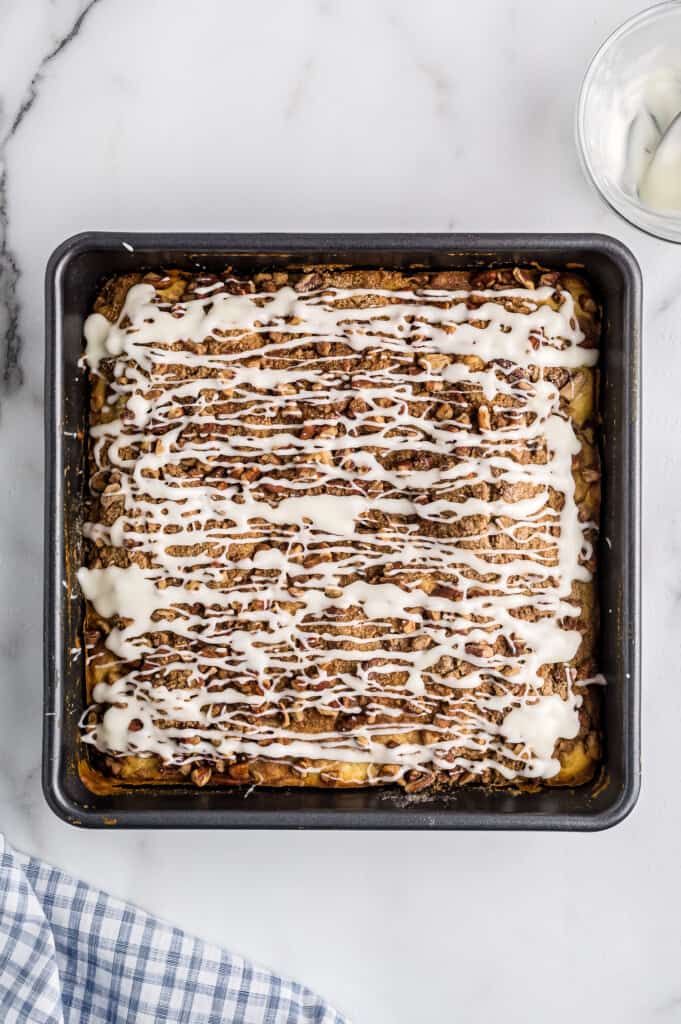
74	274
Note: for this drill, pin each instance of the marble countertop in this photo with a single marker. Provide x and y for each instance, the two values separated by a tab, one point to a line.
360	116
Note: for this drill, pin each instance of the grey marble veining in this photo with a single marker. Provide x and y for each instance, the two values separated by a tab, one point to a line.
304	115
14	113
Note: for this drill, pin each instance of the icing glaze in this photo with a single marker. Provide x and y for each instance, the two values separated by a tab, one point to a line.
281	559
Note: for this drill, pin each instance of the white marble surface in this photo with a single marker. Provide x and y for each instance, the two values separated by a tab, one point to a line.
358	116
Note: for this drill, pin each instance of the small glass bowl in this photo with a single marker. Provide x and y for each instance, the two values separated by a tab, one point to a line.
640	45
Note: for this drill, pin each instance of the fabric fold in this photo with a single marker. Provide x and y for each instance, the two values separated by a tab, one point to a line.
72	954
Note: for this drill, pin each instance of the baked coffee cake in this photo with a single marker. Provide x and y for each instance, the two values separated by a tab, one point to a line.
341	528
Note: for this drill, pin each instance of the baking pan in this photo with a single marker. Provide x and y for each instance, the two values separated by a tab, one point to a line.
74	274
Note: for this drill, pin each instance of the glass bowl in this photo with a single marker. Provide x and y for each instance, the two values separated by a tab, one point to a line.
644	46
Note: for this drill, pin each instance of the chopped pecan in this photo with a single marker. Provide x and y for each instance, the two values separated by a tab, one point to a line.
200	776
309	282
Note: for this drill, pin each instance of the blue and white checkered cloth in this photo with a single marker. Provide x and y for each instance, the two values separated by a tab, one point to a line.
70	954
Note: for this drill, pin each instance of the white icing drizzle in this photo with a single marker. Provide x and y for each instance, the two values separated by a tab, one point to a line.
258	614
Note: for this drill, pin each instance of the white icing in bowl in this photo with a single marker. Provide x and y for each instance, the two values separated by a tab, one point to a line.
630	96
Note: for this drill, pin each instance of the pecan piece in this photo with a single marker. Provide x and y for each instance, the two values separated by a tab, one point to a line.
479	650
417	780
309	282
201	776
524	277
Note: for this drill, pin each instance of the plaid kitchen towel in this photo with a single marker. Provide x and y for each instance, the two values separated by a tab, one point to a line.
70	954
